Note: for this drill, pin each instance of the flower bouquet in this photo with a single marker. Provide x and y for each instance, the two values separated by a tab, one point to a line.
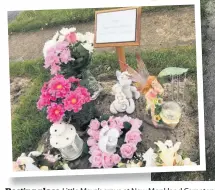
113	140
166	155
65	99
37	161
68	52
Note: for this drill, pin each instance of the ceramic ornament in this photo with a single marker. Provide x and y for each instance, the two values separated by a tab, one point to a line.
65	138
124	94
108	139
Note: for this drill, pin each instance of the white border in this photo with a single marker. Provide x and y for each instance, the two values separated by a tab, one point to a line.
202	166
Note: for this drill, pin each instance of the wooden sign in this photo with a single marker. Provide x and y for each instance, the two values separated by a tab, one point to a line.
118	28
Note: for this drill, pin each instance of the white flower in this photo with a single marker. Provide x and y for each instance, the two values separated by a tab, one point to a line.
61	38
80	37
23	159
150	158
55	36
187	162
168	143
48	45
65	31
89	37
34	153
88	47
167	154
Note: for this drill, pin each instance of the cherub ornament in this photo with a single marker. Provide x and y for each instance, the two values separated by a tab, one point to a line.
124	94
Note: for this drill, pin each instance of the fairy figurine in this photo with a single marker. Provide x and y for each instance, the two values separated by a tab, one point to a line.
148	86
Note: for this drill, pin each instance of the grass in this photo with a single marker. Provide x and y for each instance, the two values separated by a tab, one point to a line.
28	124
37	19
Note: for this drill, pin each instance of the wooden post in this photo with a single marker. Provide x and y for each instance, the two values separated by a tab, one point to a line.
121	57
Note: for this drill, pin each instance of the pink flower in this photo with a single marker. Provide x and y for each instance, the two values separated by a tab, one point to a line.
94	148
73	80
104	123
65	56
42	102
116	158
73	102
119	122
107	161
71	37
55	69
96	159
133	136
94	124
128	150
55	112
91	142
84	94
94	134
136	123
60	46
51	59
59	86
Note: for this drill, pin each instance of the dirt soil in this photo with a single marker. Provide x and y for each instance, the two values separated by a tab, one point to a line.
158	30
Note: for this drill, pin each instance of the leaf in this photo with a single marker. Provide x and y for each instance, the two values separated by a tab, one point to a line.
171	71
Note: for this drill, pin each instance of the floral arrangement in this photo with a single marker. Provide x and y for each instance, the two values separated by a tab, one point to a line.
60	96
113	140
166	155
68	52
37	161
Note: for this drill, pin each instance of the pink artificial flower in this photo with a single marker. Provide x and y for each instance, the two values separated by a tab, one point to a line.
59	86
91	142
104	123
71	37
51	158
128	150
51	59
73	80
84	93
107	161
133	136
94	148
94	134
65	56
115	158
136	123
73	102
55	69
96	159
42	102
94	124
60	46
55	112
119	122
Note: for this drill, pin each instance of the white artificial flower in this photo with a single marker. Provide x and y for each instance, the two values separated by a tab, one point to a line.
55	37
89	37
150	158
61	38
168	143
88	47
48	45
187	162
34	153
65	31
23	159
80	37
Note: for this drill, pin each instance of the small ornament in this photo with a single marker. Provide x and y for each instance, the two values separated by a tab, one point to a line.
65	138
124	94
171	114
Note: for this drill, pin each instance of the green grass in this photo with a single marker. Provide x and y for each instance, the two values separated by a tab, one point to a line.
28	124
37	19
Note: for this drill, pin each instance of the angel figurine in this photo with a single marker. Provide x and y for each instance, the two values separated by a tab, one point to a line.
148	86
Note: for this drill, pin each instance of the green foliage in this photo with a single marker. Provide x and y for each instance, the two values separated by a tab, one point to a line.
76	67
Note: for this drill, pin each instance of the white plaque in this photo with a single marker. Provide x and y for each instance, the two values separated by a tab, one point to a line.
118	26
